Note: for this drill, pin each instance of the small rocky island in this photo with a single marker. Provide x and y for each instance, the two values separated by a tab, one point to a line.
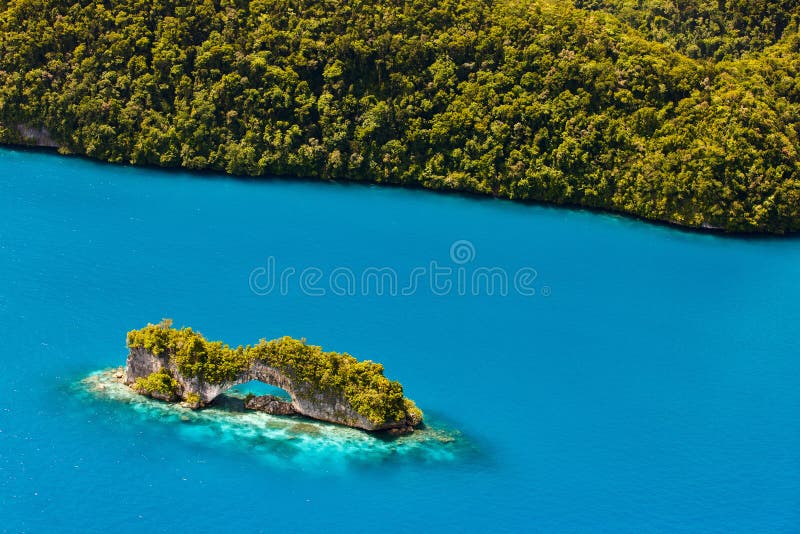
180	365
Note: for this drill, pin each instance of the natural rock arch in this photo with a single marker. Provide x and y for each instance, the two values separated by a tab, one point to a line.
159	350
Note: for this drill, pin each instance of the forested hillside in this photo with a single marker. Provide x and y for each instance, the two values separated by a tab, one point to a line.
687	112
716	29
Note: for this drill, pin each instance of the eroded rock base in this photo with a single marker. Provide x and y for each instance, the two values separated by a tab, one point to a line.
269	404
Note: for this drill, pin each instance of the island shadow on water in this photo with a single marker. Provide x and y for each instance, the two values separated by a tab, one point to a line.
287	441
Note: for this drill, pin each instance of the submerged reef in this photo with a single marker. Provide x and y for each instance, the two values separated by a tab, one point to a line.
281	442
180	365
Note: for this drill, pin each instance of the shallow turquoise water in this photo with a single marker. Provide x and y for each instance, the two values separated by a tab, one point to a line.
649	384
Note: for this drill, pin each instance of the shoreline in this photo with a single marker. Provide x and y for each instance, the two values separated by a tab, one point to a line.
211	173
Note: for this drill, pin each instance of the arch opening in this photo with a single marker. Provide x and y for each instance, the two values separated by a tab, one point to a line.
259	388
256	395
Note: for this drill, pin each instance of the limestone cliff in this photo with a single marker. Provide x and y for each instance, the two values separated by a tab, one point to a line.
35	136
173	364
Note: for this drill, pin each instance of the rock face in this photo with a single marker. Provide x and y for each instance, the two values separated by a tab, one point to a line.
269	404
142	363
36	136
325	405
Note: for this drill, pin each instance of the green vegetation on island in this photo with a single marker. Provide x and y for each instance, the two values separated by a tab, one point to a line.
194	356
683	112
361	383
159	383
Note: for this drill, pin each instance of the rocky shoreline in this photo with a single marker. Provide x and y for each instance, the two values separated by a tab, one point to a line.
269	404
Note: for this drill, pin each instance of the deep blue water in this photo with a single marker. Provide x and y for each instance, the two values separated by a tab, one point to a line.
650	384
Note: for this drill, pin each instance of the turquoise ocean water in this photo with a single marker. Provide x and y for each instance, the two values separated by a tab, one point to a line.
633	377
